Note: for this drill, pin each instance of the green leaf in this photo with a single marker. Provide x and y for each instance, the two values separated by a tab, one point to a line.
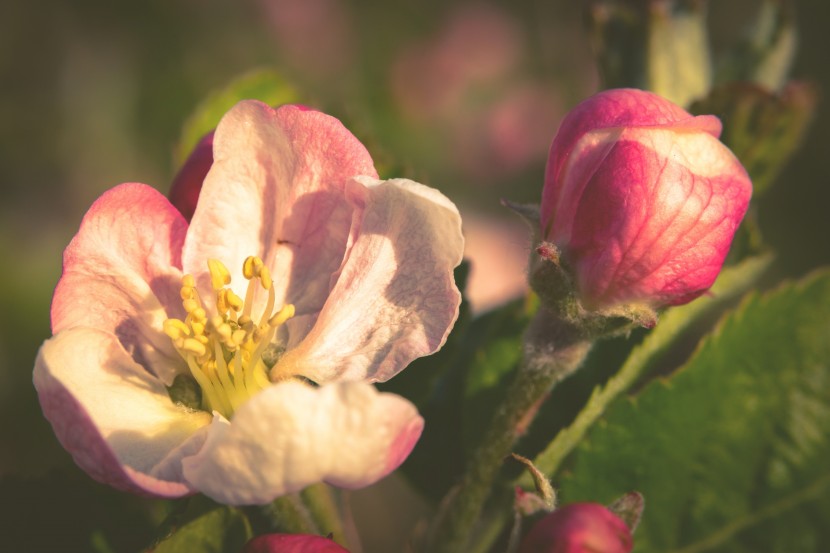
265	85
731	452
209	528
578	402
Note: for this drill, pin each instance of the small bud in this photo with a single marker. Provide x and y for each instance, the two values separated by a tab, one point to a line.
184	192
578	528
641	201
292	543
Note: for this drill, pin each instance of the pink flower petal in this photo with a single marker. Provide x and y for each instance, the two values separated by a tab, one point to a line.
681	210
276	190
116	419
578	528
618	108
292	543
121	274
395	297
291	435
184	192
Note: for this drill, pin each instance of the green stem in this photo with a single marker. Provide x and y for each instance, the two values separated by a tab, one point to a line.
731	283
323	509
289	514
554	349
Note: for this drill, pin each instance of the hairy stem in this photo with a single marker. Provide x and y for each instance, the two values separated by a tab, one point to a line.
553	350
290	515
732	282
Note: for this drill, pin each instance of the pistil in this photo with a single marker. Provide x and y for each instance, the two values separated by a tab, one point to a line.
225	353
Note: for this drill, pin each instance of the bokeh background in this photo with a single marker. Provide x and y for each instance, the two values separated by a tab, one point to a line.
464	96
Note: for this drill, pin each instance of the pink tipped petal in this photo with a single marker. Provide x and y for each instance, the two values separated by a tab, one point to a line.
671	209
578	528
276	190
121	273
292	435
184	192
395	298
292	543
642	199
616	108
114	417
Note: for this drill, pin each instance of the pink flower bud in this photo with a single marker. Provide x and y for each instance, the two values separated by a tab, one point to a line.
641	199
184	192
292	543
578	528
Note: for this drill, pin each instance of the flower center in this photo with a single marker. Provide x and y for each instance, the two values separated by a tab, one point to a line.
229	354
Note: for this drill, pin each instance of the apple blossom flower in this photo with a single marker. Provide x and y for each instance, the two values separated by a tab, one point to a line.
578	528
233	355
292	543
641	200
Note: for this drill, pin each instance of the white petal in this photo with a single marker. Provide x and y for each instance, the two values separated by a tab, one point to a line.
292	435
275	190
121	274
114	417
394	298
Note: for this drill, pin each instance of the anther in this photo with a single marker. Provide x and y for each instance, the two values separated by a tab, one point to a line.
219	274
252	267
265	277
175	329
194	346
233	301
282	315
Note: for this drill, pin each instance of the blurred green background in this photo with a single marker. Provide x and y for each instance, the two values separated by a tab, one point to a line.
464	96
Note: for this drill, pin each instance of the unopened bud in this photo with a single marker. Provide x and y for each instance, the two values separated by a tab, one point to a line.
578	528
292	543
641	201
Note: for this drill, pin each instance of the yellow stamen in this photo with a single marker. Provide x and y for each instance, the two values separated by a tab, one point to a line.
219	274
282	315
265	278
225	353
191	345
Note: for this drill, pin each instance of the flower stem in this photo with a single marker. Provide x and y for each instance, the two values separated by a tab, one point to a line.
324	510
732	282
553	350
290	515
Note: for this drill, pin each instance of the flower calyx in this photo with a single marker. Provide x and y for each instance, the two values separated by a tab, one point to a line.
551	277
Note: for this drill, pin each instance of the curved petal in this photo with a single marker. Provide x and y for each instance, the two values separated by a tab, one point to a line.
184	192
276	190
121	273
116	419
292	435
620	108
395	298
292	543
685	194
